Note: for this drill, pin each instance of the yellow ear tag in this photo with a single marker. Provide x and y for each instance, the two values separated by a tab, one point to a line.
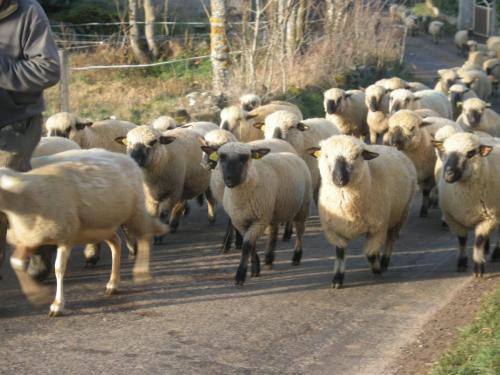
317	154
256	156
213	156
125	141
263	128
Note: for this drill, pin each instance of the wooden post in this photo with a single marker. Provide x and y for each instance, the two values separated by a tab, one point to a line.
64	82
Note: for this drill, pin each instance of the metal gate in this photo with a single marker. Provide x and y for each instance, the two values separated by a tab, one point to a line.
483	11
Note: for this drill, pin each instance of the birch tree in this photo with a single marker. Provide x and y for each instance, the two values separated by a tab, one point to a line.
219	47
149	28
135	33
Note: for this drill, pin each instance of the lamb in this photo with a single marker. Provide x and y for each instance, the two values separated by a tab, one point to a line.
436	29
447	77
53	145
478	81
164	123
430	99
347	110
407	133
172	169
377	102
249	102
87	134
82	198
365	190
461	39
263	190
468	193
476	115
457	95
302	135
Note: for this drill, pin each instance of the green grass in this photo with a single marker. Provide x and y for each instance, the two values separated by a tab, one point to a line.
477	350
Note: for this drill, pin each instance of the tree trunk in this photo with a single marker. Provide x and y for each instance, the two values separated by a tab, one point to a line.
300	22
329	16
135	33
149	28
290	30
219	47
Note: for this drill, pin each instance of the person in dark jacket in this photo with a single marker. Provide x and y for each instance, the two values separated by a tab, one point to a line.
29	63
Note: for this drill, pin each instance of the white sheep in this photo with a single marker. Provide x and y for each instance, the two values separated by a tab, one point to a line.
302	135
164	123
172	168
53	145
478	81
88	134
474	46
407	132
476	115
249	102
365	190
83	197
477	58
393	83
492	69
461	38
347	110
447	77
429	99
435	30
417	86
200	127
377	101
492	42
457	95
263	190
468	193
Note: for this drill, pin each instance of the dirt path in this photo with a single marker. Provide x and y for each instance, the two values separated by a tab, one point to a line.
192	320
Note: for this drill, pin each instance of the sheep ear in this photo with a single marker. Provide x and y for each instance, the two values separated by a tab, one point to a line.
121	140
12	184
368	155
488	105
303	127
438	145
348	94
387	91
224	125
82	124
165	140
208	149
260	153
250	116
314	152
485	150
260	126
425	123
416	98
186	126
460	104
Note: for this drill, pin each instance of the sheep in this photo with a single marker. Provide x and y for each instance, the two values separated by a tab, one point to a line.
435	30
53	145
492	42
430	99
411	24
478	81
365	190
393	83
201	127
164	123
263	190
377	102
467	65
81	198
461	38
474	46
477	58
416	86
492	69
87	134
407	132
347	110
447	77
476	115
172	169
468	193
249	102
457	95
301	135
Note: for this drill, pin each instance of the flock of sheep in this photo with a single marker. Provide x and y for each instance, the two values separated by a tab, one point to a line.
266	165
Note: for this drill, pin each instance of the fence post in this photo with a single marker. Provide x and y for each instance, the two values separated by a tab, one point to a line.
64	82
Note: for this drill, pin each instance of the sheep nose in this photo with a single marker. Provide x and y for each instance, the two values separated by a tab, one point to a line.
340	175
277	133
331	107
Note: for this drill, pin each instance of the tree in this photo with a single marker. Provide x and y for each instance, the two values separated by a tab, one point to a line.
219	47
135	33
149	28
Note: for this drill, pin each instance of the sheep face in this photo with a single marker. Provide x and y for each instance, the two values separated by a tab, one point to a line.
374	96
65	124
404	130
231	118
461	153
472	45
334	101
286	126
447	77
212	142
144	144
401	99
235	160
249	102
456	94
473	110
342	160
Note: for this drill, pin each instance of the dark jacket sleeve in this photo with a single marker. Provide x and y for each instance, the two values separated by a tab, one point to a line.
38	68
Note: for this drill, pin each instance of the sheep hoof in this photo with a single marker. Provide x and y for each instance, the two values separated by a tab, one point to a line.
91	261
444	224
462	264
384	263
142	277
297	256
55	314
269	259
495	256
241	275
338	280
478	269
111	291
55	311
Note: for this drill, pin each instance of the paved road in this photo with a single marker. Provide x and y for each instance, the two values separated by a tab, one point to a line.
193	320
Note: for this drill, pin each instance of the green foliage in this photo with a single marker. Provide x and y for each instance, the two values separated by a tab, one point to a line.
449	7
85	11
477	350
309	99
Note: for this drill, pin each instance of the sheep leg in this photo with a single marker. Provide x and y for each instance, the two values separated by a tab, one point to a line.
487	246
425	202
92	254
392	236
338	268
495	255
238	241
462	254
228	238
57	307
114	244
271	246
211	203
175	215
35	293
249	240
372	247
300	227
131	243
287	234
373	137
141	270
255	271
